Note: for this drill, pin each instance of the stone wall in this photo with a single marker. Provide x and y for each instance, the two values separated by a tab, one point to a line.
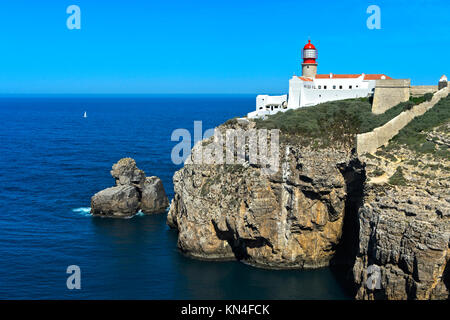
389	93
417	91
369	142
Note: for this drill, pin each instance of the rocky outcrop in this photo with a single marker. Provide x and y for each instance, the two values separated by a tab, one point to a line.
125	172
403	245
120	201
290	219
154	199
404	224
133	192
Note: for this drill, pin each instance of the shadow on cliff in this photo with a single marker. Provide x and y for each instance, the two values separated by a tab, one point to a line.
239	246
342	263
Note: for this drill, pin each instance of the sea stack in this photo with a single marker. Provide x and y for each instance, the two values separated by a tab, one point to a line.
133	192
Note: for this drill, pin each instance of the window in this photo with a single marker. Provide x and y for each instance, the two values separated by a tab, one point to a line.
340	87
357	86
324	87
334	87
349	87
320	87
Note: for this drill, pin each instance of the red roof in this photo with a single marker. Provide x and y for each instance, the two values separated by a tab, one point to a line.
305	79
352	76
376	77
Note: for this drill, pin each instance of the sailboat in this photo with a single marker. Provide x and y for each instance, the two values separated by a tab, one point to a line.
85	115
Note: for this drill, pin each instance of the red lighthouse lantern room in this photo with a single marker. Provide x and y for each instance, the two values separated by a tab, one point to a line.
309	56
309	53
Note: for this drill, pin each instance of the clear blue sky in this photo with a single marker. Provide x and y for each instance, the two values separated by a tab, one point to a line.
213	46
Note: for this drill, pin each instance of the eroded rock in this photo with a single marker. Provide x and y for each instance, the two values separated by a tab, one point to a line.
125	172
154	199
133	192
292	219
120	201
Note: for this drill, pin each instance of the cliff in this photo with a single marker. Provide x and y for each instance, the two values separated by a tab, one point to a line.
383	215
404	223
290	219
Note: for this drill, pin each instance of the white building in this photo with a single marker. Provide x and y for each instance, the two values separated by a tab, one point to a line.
312	88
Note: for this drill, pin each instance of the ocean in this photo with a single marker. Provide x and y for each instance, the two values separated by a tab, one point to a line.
52	160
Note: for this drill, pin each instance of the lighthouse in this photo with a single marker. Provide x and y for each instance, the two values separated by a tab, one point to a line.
311	88
309	56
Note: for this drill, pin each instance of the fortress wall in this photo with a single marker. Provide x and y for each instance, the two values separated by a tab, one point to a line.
369	142
421	90
389	93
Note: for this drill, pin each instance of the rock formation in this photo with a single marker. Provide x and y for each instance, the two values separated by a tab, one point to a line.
404	233
291	219
387	216
154	199
133	192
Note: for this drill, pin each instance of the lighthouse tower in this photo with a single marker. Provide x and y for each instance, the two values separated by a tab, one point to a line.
309	56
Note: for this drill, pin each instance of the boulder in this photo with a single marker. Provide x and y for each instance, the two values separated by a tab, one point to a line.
154	199
119	201
133	191
126	172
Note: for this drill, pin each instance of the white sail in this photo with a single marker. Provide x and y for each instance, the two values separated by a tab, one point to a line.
85	115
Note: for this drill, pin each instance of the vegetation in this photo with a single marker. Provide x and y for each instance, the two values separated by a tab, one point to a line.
387	155
378	172
397	178
414	135
419	100
332	122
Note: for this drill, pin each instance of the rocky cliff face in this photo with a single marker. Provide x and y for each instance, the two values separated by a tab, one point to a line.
387	215
291	219
404	224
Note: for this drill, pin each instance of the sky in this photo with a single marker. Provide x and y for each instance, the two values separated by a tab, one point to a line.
196	46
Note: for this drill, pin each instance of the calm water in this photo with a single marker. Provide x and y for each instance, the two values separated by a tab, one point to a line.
52	161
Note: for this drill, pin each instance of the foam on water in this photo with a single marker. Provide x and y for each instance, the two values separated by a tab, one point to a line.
84	211
140	213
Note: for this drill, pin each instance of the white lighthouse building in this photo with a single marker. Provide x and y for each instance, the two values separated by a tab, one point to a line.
312	88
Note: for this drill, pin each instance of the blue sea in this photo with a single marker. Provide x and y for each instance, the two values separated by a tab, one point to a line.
52	160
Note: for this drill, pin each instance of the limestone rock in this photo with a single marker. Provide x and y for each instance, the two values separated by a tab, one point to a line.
119	201
154	199
404	228
404	237
292	219
133	191
126	172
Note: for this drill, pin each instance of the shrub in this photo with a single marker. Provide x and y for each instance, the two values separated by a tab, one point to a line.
418	100
378	172
427	147
331	122
397	178
413	135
